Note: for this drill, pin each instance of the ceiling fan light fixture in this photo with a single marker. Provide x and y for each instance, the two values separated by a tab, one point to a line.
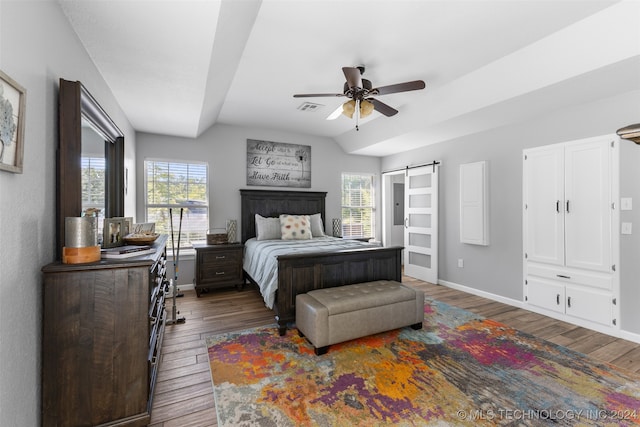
348	108
366	108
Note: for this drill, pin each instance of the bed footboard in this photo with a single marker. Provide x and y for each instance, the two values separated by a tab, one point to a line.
302	273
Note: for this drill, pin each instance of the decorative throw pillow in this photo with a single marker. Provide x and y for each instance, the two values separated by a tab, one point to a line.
295	227
267	228
317	227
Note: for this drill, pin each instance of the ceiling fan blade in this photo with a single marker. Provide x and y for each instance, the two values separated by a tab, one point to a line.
383	108
353	75
312	95
400	87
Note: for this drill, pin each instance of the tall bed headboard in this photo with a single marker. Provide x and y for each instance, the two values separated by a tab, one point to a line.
272	203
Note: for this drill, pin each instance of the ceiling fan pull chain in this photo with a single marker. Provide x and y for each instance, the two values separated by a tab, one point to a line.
357	114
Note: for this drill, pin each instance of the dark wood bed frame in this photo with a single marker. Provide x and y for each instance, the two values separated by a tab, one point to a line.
301	273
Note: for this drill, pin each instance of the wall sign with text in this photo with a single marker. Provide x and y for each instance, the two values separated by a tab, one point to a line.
277	164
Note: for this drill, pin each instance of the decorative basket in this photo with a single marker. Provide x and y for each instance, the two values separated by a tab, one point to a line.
141	238
217	237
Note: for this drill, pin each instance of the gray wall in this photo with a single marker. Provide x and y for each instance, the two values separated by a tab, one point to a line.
37	48
224	148
497	268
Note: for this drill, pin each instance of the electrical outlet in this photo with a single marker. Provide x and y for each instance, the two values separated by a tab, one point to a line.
460	262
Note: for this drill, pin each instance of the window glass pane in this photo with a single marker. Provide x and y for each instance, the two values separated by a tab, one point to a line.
358	214
93	182
178	186
93	173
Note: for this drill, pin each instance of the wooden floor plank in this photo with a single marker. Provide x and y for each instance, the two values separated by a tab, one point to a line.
184	394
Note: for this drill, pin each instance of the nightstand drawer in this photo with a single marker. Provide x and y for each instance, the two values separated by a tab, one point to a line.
220	273
215	258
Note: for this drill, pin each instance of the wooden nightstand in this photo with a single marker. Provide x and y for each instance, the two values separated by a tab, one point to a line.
218	266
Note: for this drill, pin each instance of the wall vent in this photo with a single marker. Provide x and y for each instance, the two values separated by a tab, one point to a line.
310	107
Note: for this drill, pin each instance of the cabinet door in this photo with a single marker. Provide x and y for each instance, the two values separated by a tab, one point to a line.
588	212
589	304
543	198
545	293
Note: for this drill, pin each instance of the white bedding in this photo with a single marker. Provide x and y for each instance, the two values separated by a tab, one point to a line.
260	258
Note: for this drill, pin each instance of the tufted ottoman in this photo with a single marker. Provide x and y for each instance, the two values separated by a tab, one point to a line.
332	315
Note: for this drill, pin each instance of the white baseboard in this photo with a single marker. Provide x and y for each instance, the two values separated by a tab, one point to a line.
618	333
484	294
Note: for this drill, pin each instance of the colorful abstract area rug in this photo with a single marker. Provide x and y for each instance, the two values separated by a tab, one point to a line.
460	369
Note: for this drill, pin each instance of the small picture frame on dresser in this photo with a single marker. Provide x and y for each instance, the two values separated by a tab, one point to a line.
144	228
114	231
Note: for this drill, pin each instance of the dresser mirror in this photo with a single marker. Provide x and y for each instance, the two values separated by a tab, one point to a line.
90	159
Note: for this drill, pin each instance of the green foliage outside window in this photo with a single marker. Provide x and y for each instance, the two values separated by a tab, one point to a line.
175	186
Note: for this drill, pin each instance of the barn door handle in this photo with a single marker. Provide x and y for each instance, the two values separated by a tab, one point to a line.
558	206
567	206
406	223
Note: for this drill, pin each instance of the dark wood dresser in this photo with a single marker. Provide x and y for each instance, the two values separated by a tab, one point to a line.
218	266
103	325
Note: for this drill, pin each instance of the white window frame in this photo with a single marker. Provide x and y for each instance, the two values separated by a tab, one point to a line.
187	236
347	220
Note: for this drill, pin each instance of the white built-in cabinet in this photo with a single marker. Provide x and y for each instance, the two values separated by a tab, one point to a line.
570	224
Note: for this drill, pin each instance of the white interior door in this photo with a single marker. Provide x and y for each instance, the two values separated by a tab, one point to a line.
421	223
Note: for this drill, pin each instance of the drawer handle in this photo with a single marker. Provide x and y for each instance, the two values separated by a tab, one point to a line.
562	276
569	302
221	256
558	299
219	273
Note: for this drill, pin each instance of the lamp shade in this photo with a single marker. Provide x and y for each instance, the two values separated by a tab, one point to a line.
348	108
366	108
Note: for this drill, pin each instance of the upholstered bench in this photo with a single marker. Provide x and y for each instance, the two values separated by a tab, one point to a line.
333	315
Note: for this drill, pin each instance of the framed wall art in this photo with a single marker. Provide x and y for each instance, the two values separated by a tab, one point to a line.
12	111
277	164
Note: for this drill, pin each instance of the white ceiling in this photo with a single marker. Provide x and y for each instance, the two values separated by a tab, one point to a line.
178	67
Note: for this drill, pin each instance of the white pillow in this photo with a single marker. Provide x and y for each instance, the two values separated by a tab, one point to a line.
317	228
267	228
295	227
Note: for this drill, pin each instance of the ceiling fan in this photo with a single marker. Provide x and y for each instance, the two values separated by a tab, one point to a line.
360	92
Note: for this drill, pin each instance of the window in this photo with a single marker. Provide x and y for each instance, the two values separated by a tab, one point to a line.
358	212
175	186
92	170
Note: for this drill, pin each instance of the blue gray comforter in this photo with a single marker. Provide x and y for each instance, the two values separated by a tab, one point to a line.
260	258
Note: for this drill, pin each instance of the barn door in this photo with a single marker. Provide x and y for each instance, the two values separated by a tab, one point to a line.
421	223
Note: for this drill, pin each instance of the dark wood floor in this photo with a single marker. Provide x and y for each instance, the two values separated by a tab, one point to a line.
184	394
